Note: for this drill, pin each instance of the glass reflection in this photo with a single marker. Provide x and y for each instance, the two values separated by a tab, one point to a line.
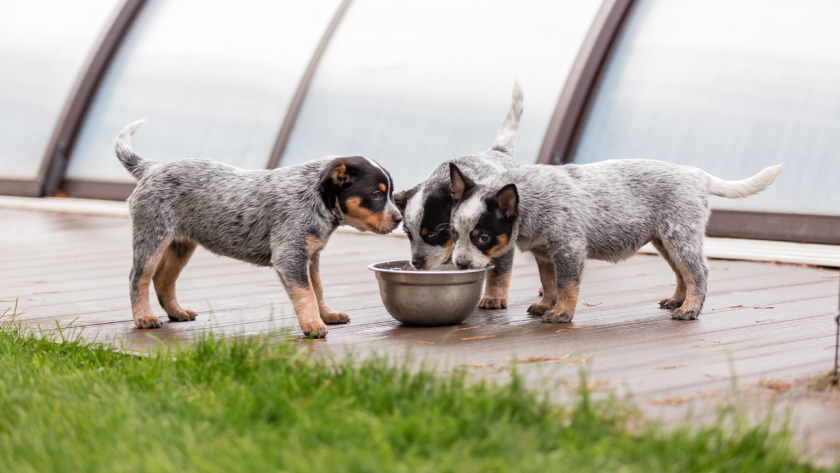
411	84
730	86
43	45
213	79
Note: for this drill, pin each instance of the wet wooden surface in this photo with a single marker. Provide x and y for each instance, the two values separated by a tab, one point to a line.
73	270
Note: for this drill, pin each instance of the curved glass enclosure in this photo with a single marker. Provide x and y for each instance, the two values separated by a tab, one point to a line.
730	86
43	45
411	84
213	79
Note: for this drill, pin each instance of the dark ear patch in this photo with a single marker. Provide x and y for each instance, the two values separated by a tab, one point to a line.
459	184
401	198
508	199
335	173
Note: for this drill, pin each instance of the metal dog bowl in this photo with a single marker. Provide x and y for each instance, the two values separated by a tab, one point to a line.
444	297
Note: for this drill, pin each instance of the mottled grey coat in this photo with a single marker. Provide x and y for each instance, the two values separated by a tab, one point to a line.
607	211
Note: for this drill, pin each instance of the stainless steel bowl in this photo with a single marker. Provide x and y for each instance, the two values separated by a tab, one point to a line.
428	297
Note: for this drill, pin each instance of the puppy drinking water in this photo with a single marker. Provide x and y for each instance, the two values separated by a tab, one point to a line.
279	217
427	208
606	211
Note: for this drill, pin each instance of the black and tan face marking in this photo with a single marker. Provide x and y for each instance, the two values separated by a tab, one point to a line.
437	212
363	191
494	229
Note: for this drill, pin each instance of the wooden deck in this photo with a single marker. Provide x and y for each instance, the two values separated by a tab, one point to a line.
761	321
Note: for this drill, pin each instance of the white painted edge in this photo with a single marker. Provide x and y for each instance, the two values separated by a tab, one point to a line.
716	248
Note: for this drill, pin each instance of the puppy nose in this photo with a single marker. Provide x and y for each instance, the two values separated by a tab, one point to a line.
418	262
462	264
397	219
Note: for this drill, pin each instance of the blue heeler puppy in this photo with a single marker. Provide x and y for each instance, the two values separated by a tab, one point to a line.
606	211
278	217
427	208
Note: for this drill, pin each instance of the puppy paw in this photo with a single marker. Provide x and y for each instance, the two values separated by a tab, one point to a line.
539	308
181	315
686	314
491	303
315	329
555	318
147	321
669	304
335	317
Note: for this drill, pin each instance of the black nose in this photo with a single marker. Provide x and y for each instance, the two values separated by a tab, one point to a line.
397	219
418	262
462	264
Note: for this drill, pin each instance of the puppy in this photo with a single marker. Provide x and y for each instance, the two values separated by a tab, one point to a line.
606	211
279	217
427	208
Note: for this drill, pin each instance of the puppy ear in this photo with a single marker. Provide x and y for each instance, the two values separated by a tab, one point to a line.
401	199
334	175
508	200
459	184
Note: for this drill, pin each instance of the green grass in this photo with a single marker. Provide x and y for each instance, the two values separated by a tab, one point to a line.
249	405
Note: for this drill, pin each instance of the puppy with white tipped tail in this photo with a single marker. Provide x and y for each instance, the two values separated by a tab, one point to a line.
605	211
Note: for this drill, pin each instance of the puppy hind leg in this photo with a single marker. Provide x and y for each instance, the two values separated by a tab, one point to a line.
676	300
548	291
497	283
174	258
147	255
328	315
689	259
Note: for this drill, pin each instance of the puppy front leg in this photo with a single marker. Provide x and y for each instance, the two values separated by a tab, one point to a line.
548	291
568	266
292	266
498	282
327	315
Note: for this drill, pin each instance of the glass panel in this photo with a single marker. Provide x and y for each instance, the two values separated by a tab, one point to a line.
214	80
411	84
43	45
730	86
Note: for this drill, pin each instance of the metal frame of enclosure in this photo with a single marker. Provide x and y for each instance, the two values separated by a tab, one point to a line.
558	146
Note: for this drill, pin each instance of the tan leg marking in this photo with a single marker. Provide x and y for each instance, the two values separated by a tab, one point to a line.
677	299
167	273
306	307
313	248
691	307
141	311
564	310
495	291
548	290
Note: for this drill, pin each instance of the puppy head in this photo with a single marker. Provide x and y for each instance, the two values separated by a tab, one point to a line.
427	213
364	191
482	221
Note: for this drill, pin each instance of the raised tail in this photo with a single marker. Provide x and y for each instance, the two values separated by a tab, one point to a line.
506	139
135	164
746	187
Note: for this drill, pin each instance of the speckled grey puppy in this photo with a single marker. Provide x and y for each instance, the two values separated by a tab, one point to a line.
606	211
279	217
427	208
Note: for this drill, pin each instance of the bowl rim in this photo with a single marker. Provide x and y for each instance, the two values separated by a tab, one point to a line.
436	272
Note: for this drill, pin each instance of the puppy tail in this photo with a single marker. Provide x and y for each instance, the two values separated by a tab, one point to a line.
135	164
738	189
506	138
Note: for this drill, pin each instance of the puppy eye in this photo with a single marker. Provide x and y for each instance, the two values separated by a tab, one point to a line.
454	235
484	238
431	236
376	195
